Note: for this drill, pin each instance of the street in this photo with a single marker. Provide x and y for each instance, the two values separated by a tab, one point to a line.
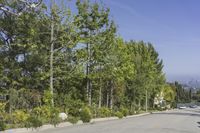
175	121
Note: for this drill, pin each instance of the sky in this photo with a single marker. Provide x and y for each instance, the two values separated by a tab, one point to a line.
173	26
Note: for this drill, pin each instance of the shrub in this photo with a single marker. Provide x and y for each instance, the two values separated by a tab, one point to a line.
104	112
54	116
74	108
2	107
19	117
119	115
124	111
2	125
85	115
33	122
43	112
47	114
73	119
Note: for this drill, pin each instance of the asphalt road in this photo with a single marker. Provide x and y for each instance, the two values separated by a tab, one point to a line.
176	121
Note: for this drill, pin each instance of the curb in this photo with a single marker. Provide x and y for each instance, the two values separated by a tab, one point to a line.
138	115
68	124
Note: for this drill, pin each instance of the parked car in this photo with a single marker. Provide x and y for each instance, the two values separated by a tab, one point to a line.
182	107
193	106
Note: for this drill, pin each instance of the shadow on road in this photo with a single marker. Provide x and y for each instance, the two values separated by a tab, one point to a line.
179	113
199	124
197	111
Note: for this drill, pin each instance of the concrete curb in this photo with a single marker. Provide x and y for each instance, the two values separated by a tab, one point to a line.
103	119
67	124
132	116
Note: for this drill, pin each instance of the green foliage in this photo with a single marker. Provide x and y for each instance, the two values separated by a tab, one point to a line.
47	98
74	108
2	108
47	114
85	115
182	95
119	114
124	111
33	122
90	64
169	94
20	117
2	125
104	112
54	116
43	112
73	119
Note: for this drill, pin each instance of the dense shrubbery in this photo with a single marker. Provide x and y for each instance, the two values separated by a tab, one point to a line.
2	125
119	115
33	122
19	117
124	111
104	112
85	114
74	108
54	117
73	119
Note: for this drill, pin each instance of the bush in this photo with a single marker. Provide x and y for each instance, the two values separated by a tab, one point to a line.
20	117
33	122
43	112
54	116
104	112
47	114
74	108
73	119
124	111
85	115
2	107
2	125
119	115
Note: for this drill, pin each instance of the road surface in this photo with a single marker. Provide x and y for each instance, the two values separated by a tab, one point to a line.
176	121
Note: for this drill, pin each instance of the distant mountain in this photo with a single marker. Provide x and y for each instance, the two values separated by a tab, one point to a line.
194	83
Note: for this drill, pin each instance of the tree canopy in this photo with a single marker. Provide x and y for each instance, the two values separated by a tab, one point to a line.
55	53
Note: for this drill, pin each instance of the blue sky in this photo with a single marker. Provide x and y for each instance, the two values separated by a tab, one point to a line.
173	26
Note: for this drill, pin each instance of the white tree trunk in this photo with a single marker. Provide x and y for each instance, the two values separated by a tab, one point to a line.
111	95
51	55
146	102
100	95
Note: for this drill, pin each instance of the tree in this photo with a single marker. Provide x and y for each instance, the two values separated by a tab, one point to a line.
169	94
91	20
17	7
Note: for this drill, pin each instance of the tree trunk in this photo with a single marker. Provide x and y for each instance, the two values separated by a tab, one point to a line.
107	98
100	95
134	100
51	56
146	102
88	91
139	104
111	96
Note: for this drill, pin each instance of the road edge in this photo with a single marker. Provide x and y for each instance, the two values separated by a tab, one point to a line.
68	124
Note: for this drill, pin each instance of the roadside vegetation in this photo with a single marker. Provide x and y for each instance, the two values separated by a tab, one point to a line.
54	60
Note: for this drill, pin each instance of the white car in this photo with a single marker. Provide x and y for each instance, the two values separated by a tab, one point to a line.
182	107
